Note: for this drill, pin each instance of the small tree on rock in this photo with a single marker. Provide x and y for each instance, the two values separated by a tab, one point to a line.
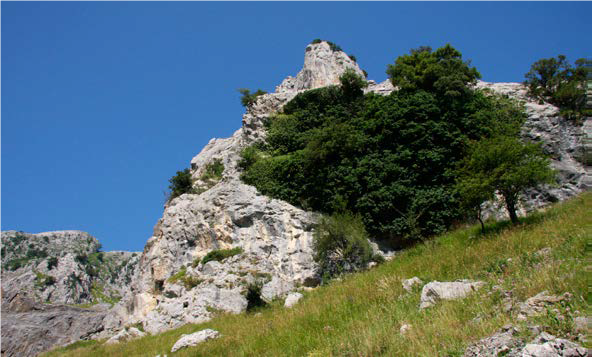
503	164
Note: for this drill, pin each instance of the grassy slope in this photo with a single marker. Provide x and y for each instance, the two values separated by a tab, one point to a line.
361	315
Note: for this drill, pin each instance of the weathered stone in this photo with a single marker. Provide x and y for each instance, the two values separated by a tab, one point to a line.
194	339
546	345
45	326
502	343
125	335
506	343
292	299
538	303
435	291
409	284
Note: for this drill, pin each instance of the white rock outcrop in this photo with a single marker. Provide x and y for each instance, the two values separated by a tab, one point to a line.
435	291
194	339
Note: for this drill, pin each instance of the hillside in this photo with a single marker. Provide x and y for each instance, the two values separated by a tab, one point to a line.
363	313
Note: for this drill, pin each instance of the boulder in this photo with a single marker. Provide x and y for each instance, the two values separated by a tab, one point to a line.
195	339
436	291
538	304
292	299
409	284
546	345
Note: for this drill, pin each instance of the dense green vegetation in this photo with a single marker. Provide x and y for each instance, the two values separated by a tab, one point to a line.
361	315
555	80
179	184
392	159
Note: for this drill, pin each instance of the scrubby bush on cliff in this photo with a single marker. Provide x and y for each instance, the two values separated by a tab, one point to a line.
249	98
341	245
180	183
555	80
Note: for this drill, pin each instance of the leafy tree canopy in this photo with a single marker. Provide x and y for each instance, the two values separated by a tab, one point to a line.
555	80
442	71
503	164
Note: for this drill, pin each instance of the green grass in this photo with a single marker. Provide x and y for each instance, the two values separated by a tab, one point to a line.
361	315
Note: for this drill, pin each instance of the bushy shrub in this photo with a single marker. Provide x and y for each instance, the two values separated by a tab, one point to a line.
341	245
253	296
221	254
249	98
555	80
42	281
52	263
179	184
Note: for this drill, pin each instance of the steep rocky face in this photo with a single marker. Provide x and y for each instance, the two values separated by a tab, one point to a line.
64	267
29	327
275	237
322	67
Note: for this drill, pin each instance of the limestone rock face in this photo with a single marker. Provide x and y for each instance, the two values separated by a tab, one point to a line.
561	139
29	328
322	67
275	237
63	267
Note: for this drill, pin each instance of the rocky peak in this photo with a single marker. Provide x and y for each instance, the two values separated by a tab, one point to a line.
323	65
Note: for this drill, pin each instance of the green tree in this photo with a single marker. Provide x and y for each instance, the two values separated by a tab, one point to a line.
556	81
352	84
180	183
442	71
503	164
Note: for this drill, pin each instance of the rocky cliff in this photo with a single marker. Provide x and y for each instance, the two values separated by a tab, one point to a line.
64	267
274	237
46	280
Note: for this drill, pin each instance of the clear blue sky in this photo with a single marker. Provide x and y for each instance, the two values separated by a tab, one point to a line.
102	102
